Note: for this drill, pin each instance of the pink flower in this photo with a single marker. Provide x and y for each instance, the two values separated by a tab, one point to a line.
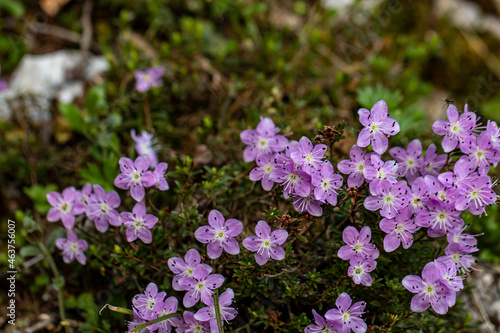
72	248
219	235
266	243
139	223
135	176
65	207
148	78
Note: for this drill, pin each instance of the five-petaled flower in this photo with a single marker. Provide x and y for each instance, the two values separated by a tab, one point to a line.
185	267
200	285
219	235
264	139
65	206
149	304
148	78
348	314
266	243
139	223
135	176
72	247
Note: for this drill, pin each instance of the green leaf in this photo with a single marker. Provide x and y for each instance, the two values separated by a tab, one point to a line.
29	251
14	7
152	322
73	115
38	193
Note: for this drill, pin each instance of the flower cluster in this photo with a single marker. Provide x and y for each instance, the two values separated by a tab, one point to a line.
410	193
344	318
194	277
306	176
360	253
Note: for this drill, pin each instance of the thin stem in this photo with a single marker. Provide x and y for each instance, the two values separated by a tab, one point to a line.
147	113
217	312
55	271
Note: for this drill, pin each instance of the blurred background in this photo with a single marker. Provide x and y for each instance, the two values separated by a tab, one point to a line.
68	99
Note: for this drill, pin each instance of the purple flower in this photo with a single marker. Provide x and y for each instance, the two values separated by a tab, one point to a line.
191	325
457	130
466	241
199	285
439	217
167	307
185	268
358	244
380	171
266	243
144	144
326	183
86	195
399	230
102	209
219	235
265	165
149	304
429	290
436	190
481	151
348	314
72	247
64	207
433	163
410	161
418	195
356	167
293	179
450	277
458	256
136	322
390	198
475	195
360	269
262	140
139	223
135	176
463	169
493	133
323	325
308	203
307	156
159	174
376	123
150	77
227	313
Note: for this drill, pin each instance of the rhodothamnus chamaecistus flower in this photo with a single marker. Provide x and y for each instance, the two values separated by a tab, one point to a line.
159	174
227	313
348	314
360	269
265	165
264	139
149	303
266	243
72	248
308	156
481	151
139	223
65	207
493	133
377	126
145	145
135	176
219	235
148	78
200	285
457	130
418	195
409	161
102	210
326	183
389	198
185	267
131	325
167	307
380	171
450	277
475	195
433	163
459	256
429	289
322	325
438	217
357	167
192	325
399	230
358	244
